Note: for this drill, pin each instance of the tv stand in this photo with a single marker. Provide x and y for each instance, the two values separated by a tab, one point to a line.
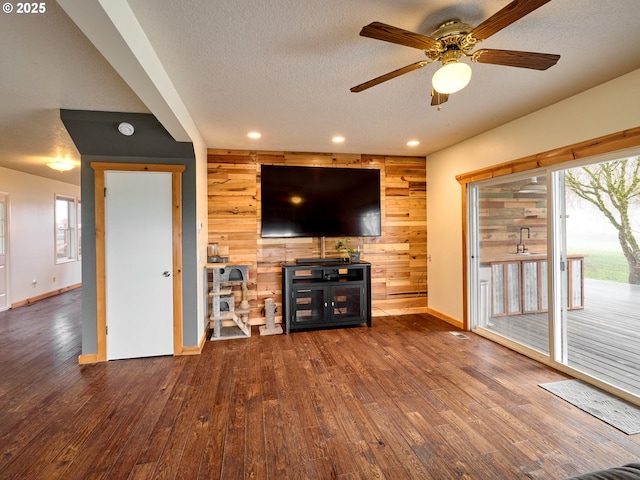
325	294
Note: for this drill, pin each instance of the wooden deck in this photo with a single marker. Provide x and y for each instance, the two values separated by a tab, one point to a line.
404	399
603	339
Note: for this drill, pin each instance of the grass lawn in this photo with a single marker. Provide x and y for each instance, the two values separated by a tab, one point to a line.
606	266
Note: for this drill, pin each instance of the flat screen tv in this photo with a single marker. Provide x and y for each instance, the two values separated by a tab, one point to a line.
319	201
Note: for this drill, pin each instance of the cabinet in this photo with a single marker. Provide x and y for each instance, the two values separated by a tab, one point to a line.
326	295
228	316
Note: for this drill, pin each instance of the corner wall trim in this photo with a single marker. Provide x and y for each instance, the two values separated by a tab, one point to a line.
87	359
195	349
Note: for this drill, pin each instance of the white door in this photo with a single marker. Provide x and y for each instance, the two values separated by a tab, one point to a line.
139	265
4	239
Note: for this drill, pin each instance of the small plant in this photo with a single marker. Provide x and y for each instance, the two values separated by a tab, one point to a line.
352	253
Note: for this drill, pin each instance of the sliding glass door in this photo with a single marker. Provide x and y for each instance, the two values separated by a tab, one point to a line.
602	234
555	267
511	260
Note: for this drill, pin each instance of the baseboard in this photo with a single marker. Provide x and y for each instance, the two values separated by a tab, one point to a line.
195	349
383	312
88	358
85	359
53	293
445	318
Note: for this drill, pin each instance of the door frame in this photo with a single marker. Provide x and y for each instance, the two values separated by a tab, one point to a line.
176	201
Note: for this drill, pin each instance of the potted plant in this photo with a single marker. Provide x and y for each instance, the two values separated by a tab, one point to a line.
353	254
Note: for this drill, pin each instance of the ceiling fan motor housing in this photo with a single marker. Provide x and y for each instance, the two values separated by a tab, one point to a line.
453	41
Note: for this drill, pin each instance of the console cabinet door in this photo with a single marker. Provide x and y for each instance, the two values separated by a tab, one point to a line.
347	303
309	305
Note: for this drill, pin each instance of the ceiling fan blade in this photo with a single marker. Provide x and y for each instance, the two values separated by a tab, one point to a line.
505	17
388	33
515	58
389	76
438	98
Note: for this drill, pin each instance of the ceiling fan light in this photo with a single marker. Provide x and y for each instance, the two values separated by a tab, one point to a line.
451	78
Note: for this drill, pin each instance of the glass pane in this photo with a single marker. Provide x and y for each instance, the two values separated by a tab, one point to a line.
79	222
65	219
602	235
346	302
512	261
309	305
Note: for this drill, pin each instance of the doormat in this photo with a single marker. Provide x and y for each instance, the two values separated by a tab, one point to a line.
610	409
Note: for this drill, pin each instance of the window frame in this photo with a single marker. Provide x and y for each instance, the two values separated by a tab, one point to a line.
71	231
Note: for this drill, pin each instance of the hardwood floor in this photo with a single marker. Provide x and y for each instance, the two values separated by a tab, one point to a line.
403	399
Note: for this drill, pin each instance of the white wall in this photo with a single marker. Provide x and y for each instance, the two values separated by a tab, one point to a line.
608	108
202	215
31	235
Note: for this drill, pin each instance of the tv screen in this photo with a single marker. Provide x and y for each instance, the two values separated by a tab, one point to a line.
320	201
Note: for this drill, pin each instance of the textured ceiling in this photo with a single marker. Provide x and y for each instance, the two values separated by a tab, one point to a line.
285	67
48	64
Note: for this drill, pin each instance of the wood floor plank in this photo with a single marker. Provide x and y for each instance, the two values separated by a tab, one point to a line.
211	464
208	375
108	438
402	399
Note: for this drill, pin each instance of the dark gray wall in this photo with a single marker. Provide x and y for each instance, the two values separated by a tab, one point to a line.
98	140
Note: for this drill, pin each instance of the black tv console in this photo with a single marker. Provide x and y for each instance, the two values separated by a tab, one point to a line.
327	294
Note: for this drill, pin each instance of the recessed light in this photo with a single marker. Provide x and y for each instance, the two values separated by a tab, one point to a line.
413	143
338	139
254	135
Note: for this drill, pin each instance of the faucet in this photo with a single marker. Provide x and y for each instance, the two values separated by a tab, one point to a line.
521	244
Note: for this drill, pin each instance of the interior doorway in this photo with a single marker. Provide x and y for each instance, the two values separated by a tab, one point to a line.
140	220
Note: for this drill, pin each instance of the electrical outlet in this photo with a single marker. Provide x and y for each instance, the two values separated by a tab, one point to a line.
53	279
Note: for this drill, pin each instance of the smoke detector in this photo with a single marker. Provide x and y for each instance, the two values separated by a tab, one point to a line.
126	129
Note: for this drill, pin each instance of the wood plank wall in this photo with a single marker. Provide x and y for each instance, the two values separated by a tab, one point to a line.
503	210
398	257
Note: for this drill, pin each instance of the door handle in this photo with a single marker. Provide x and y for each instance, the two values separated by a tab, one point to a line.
166	273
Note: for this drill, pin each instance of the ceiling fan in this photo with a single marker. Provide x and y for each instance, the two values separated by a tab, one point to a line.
455	39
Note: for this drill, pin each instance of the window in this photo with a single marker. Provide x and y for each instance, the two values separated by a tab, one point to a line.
66	230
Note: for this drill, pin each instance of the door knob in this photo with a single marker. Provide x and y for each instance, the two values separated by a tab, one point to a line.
166	273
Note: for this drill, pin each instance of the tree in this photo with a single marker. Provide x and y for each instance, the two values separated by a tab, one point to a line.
613	187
